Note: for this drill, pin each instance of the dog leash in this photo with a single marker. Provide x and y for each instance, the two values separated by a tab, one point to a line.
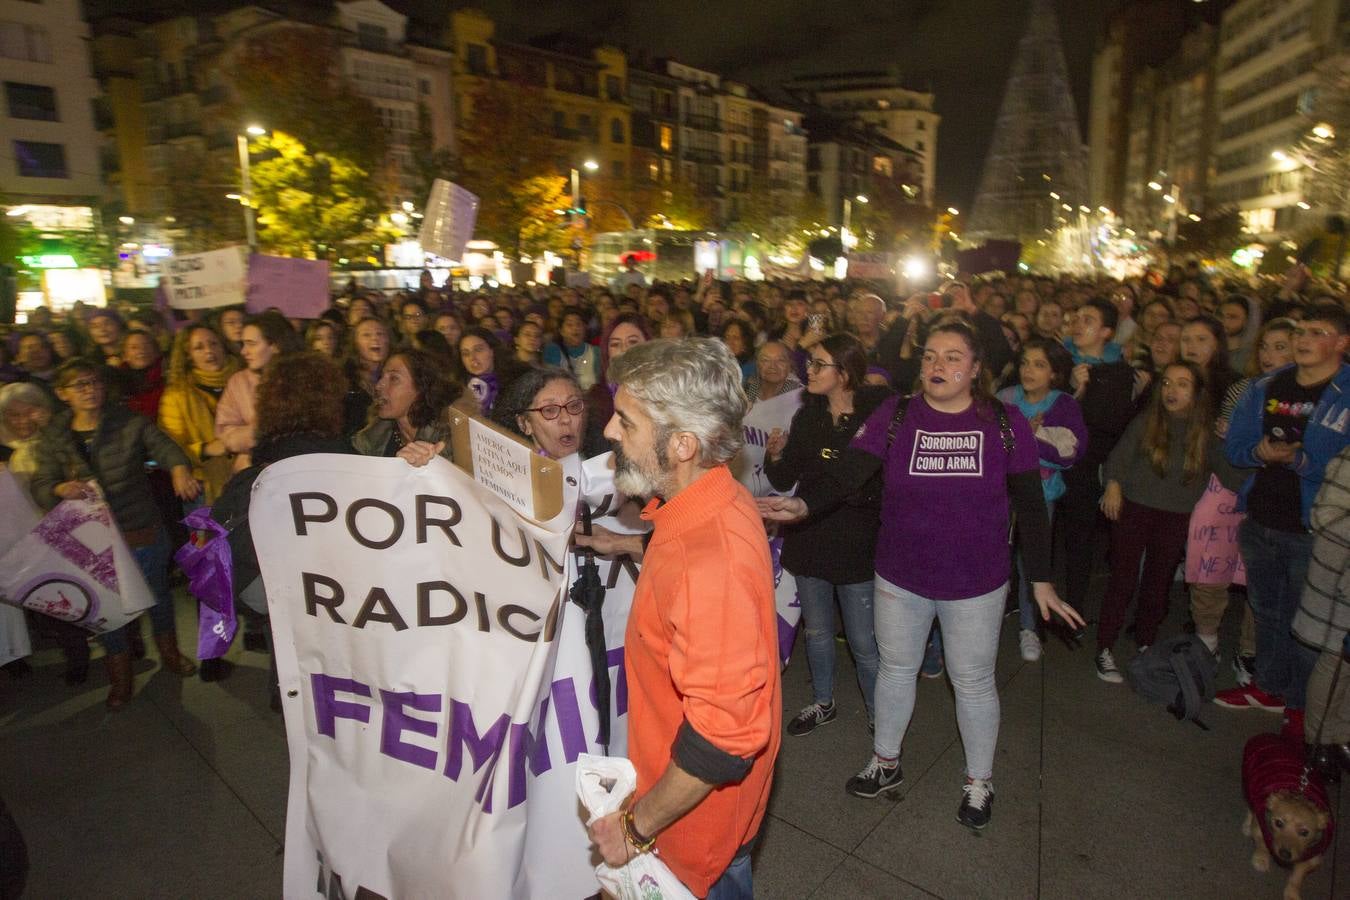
1321	723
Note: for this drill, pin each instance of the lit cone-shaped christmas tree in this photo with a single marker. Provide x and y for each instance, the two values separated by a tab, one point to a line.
1036	148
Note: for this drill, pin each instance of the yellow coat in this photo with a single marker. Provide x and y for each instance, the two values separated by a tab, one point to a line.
188	415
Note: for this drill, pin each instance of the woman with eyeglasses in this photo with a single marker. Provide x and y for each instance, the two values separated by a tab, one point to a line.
95	442
544	404
831	553
412	318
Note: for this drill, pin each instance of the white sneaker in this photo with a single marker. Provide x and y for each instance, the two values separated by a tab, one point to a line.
1031	645
1106	668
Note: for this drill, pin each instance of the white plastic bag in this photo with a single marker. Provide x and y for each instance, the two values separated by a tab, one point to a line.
603	784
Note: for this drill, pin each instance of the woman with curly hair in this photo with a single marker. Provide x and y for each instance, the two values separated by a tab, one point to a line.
299	411
740	340
199	367
411	399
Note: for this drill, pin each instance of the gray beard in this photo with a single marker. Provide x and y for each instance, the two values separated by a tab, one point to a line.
632	481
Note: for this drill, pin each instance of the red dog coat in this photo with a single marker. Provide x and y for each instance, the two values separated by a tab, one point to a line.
1273	763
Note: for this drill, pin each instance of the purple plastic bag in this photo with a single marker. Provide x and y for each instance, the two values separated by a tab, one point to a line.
205	559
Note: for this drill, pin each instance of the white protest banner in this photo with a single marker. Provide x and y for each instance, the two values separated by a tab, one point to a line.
73	565
557	851
298	288
19	518
21	514
448	220
417	621
760	421
205	280
748	467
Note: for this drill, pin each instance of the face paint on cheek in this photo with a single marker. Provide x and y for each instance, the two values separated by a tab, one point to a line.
959	376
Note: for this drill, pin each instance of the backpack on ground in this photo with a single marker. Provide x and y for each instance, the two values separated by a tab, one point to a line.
1179	673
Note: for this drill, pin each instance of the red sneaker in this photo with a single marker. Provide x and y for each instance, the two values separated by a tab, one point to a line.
1269	702
1292	725
1249	697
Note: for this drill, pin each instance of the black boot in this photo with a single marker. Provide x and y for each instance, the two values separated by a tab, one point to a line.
215	669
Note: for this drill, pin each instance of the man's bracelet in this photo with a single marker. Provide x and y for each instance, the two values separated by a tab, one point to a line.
640	844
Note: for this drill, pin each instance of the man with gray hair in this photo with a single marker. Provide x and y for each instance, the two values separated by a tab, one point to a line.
705	704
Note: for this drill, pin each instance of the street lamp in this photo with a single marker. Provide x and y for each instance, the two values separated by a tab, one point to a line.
952	210
589	165
844	234
246	183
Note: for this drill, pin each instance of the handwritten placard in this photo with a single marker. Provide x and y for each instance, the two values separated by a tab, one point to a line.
205	280
1212	555
502	466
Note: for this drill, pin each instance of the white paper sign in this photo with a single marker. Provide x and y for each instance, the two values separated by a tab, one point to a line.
206	280
502	465
448	220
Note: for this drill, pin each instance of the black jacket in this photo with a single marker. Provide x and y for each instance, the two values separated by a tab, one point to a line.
838	546
119	451
1108	406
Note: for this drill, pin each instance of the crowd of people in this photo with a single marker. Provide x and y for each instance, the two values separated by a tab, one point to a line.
956	454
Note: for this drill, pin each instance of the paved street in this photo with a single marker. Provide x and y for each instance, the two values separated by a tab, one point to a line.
183	794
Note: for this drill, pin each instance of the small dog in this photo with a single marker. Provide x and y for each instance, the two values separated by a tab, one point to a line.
1289	814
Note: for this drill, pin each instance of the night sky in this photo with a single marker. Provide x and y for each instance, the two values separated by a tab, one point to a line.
961	49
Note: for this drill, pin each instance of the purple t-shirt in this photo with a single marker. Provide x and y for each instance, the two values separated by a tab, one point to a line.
944	512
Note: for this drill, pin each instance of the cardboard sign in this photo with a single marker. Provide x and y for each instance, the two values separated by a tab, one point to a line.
296	287
507	466
205	280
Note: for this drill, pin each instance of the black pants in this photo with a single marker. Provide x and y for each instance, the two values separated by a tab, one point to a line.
1081	523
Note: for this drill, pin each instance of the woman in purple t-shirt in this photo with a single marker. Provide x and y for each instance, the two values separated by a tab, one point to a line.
956	462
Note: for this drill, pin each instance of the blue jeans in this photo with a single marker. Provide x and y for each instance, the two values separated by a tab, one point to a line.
734	884
970	637
1029	612
855	604
1277	566
154	563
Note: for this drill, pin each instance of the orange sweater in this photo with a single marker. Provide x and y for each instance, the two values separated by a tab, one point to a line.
702	666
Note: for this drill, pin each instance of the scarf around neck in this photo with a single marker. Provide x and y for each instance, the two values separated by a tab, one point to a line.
484	388
215	379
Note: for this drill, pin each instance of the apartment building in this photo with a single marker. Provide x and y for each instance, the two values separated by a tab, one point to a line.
1268	101
901	113
49	163
168	86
